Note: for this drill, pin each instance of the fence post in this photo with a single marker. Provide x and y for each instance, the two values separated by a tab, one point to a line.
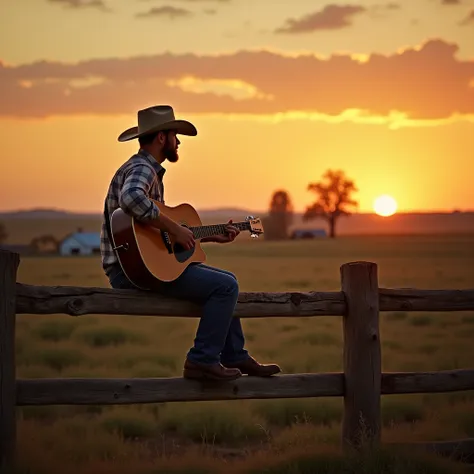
362	356
8	267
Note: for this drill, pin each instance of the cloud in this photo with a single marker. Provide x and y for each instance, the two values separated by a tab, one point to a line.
425	82
167	10
469	20
331	17
380	11
386	6
99	4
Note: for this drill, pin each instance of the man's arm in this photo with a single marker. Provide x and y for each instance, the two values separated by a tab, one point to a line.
231	233
134	200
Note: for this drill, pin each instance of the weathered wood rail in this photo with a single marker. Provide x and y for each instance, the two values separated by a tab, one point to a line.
362	382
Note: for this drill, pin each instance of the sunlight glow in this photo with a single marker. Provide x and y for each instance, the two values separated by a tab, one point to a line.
385	205
239	90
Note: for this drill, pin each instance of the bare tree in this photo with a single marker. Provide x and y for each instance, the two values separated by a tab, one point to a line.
3	233
333	199
280	216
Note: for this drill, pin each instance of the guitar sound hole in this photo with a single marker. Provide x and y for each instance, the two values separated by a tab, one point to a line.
181	254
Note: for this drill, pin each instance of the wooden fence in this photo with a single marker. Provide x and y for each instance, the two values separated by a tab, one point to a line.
361	384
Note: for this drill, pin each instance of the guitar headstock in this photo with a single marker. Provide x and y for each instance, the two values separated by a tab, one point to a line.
256	226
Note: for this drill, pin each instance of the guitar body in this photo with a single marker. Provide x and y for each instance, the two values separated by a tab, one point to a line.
146	254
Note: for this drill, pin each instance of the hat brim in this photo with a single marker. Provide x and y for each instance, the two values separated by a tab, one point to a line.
181	127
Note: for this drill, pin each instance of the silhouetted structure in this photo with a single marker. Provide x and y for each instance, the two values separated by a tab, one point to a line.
45	244
333	199
280	216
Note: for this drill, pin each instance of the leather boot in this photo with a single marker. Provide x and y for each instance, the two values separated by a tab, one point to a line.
251	367
198	371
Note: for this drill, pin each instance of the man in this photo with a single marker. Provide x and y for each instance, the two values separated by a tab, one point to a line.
218	352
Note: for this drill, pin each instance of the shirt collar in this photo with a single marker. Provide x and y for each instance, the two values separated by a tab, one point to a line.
156	166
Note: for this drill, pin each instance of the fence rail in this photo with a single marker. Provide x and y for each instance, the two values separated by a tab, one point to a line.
80	301
361	383
78	391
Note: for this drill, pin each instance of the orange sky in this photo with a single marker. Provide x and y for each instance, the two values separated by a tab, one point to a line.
382	90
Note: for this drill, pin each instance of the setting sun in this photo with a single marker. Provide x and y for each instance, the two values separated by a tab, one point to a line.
385	205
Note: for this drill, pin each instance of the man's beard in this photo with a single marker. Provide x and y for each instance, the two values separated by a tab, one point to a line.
171	154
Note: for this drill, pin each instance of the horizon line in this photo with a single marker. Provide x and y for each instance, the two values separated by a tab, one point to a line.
230	207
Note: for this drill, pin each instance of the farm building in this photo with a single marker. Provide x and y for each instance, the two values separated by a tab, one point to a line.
80	243
308	233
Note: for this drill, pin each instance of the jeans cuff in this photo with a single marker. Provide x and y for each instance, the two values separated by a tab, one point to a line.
234	359
201	359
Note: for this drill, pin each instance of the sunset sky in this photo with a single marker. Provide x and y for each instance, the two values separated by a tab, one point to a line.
279	91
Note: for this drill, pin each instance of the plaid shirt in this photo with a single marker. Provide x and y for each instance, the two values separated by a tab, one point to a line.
137	180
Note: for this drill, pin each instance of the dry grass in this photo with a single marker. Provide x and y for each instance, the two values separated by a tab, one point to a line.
245	436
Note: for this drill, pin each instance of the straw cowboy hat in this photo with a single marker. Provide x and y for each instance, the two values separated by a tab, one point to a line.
154	119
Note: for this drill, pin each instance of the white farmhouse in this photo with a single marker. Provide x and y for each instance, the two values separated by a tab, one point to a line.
80	243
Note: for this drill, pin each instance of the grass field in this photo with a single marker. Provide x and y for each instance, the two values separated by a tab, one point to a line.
277	436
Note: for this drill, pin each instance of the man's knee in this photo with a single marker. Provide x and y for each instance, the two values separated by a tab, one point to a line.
229	284
232	275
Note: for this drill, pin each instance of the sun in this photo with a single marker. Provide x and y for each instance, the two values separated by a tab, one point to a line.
385	205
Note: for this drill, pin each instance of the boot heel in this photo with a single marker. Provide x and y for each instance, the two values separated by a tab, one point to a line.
193	374
200	375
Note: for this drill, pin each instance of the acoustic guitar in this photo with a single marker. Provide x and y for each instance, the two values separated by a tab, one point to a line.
148	255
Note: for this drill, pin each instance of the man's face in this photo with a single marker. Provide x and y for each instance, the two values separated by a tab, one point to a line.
170	147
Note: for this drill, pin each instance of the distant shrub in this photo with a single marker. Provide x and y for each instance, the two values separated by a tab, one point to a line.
109	336
400	411
317	339
43	413
162	360
59	359
391	344
460	397
467	423
428	348
464	333
421	320
396	316
289	327
211	423
129	425
289	412
375	462
55	330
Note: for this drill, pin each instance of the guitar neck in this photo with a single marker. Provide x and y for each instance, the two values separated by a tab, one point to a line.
204	231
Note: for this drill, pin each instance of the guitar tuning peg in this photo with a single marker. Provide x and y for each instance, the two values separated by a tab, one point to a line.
254	236
249	218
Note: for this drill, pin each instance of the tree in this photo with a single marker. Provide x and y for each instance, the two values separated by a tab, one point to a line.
3	233
45	244
280	216
333	199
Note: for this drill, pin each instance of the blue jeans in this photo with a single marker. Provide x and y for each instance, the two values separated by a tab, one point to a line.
219	336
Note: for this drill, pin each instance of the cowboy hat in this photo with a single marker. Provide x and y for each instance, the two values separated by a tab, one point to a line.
154	119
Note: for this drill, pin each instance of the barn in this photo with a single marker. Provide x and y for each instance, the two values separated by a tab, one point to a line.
80	243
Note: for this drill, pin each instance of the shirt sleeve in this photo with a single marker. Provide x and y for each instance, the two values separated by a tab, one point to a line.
133	197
